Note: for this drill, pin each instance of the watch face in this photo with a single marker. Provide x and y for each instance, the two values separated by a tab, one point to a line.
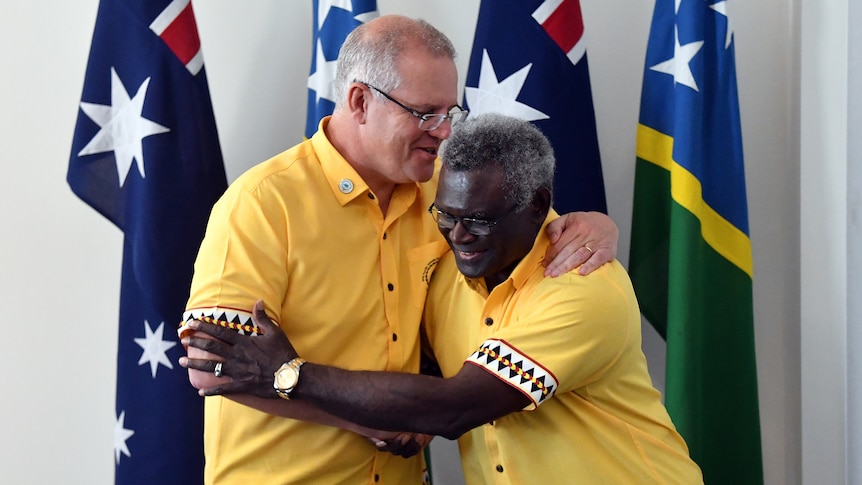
286	378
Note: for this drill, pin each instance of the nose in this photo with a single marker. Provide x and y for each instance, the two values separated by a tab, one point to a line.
460	235
443	131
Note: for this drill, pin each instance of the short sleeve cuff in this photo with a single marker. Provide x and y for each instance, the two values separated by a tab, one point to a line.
518	370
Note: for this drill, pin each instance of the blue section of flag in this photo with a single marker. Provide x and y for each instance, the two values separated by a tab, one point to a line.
712	108
328	35
554	85
163	214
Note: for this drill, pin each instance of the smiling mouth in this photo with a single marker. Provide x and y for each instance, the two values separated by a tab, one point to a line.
469	254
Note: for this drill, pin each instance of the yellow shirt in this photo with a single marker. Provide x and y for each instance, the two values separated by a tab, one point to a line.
303	232
571	344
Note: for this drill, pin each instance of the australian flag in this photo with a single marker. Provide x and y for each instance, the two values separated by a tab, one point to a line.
145	155
333	21
529	61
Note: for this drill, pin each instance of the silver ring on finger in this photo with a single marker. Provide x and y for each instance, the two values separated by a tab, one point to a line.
218	369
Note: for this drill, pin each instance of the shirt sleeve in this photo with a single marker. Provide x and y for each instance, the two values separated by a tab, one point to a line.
564	334
243	258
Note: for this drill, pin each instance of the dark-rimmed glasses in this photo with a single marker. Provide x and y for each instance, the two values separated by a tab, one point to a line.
427	121
476	227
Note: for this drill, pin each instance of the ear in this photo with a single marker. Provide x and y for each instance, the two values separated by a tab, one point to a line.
358	98
541	204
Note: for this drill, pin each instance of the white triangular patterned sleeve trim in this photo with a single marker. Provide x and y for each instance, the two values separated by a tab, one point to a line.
515	368
238	320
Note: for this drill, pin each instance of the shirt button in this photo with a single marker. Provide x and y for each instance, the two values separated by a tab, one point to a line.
390	286
394	337
376	477
370	196
500	468
384	235
489	321
345	186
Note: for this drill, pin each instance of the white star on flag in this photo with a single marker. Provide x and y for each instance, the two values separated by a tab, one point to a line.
678	66
154	348
121	434
492	96
326	5
122	128
321	81
721	7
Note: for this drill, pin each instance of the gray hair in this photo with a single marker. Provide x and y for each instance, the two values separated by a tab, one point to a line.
369	55
516	146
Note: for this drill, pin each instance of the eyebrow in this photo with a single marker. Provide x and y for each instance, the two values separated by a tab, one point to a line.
425	109
473	215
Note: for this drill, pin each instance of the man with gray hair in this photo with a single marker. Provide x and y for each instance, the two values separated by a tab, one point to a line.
544	380
331	234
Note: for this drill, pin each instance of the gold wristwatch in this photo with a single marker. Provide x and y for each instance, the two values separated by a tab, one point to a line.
286	377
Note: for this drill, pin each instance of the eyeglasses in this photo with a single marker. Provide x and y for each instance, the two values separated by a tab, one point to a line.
476	227
428	121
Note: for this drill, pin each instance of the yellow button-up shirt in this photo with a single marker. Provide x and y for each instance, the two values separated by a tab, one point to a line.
303	232
572	345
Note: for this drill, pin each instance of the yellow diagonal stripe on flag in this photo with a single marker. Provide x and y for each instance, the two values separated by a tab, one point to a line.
718	232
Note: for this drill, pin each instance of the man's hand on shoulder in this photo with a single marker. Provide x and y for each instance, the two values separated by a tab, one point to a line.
585	239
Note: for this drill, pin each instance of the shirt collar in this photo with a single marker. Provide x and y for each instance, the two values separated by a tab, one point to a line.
342	178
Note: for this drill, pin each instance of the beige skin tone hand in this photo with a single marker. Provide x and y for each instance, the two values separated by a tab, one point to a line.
572	234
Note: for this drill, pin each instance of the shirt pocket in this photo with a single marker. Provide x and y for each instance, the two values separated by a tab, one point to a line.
422	261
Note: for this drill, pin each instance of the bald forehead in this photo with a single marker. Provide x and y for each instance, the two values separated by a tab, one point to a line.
388	23
405	31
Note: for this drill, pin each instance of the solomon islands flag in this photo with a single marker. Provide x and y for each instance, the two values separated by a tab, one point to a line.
145	154
691	261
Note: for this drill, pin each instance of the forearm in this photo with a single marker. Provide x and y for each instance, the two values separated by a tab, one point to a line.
304	411
380	400
301	410
389	400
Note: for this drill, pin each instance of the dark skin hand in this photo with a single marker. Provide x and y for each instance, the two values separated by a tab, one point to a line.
381	400
250	362
404	447
253	368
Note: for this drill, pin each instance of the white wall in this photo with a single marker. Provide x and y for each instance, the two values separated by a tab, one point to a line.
854	251
60	261
828	230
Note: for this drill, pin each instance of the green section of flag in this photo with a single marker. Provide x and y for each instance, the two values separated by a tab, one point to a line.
648	257
702	304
